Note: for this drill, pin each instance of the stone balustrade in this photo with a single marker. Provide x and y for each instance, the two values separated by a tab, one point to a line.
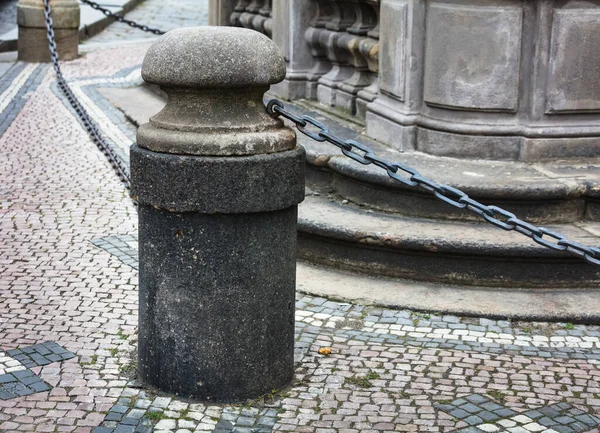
254	15
491	79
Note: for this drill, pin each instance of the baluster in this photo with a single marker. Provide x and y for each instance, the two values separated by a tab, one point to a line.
258	23
343	18
365	21
267	12
369	47
250	12
323	15
239	8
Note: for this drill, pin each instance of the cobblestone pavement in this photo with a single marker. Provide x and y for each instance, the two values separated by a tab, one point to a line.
68	311
162	14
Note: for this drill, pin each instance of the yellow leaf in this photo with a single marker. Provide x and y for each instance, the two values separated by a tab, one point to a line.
325	350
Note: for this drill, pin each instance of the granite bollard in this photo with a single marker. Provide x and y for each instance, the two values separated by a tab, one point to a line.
33	42
218	182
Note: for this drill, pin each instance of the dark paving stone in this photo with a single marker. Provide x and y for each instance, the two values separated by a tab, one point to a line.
488	416
564	419
113	416
119	409
505	413
124	429
130	421
471	408
491	406
473	420
546	422
562	429
550	411
534	414
477	399
102	430
460	414
6	378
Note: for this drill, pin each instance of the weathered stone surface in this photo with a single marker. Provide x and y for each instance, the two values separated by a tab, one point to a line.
218	182
33	42
247	184
472	57
213	57
581	31
217	302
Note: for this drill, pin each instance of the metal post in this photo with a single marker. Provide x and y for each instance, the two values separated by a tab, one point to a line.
218	182
33	42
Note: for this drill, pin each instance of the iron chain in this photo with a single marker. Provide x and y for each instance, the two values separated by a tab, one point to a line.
122	19
412	178
88	123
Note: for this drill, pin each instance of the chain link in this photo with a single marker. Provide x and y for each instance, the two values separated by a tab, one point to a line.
410	177
88	123
122	19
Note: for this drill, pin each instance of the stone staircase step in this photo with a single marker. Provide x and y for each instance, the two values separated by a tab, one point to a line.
452	252
551	304
551	192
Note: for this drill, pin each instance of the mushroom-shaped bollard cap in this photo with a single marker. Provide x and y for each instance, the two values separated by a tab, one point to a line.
215	78
213	57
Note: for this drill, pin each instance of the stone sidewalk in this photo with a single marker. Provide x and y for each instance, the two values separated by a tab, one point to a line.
68	310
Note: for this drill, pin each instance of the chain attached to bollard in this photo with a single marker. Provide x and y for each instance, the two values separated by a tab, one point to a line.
122	19
89	124
493	214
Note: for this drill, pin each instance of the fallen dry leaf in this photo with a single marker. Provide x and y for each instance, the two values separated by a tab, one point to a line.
325	350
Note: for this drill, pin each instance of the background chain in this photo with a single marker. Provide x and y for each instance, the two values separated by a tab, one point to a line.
412	178
122	19
89	124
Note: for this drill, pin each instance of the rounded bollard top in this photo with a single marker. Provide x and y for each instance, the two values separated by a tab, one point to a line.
213	57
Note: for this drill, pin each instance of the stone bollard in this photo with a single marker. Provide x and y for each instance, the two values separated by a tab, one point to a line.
218	182
33	42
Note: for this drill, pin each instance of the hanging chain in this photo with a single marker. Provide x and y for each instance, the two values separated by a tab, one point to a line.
412	178
122	19
88	123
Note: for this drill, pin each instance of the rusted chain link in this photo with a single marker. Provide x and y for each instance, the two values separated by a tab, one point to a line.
122	19
412	178
88	123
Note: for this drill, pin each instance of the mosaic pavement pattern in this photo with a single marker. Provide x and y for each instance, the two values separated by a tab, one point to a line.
68	260
16	378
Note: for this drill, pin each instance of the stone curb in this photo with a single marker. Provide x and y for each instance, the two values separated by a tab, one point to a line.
95	23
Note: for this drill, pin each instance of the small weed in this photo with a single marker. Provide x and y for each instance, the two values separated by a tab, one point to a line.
155	416
114	351
568	326
444	401
577	394
93	360
498	395
122	336
371	375
362	382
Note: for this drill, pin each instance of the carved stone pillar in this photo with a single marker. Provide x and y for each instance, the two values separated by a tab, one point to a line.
291	19
492	79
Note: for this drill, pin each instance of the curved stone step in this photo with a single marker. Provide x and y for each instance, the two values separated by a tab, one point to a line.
574	305
554	192
451	252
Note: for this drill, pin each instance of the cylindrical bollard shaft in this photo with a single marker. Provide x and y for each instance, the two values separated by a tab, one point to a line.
218	182
33	41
